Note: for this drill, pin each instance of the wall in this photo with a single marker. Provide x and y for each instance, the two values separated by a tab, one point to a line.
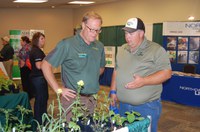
151	11
57	23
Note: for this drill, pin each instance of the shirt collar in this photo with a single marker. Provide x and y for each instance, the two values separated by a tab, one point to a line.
139	51
83	43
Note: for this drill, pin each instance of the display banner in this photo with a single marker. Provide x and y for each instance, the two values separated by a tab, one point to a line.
32	31
15	36
182	43
3	72
181	28
25	33
110	56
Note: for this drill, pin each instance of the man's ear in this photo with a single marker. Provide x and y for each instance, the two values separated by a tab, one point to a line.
141	33
83	25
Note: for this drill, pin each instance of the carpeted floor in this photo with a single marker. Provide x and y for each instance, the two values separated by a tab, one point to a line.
174	118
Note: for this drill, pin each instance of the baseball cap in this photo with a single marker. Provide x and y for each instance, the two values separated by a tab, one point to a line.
134	24
6	38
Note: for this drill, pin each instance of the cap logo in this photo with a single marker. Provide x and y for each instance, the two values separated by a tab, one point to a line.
129	23
134	24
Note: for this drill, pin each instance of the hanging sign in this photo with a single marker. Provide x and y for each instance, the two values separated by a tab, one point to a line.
110	56
181	28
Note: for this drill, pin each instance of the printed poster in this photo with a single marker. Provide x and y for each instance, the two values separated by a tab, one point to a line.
110	56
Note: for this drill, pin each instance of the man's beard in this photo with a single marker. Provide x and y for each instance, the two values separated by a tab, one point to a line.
132	46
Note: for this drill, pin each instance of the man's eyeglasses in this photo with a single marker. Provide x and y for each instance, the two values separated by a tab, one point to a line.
94	30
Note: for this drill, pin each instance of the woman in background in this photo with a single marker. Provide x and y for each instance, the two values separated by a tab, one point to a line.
24	69
37	78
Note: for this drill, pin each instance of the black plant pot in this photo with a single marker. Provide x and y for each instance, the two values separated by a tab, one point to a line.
14	89
84	128
4	91
1	92
90	127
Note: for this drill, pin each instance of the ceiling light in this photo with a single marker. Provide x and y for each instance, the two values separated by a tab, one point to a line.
30	1
81	2
191	18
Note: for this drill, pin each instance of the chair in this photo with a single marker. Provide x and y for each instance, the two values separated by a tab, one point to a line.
189	69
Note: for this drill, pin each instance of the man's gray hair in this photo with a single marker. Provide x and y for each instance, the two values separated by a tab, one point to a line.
92	15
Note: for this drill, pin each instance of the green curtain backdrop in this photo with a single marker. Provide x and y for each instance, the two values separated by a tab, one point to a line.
112	36
120	35
108	36
157	33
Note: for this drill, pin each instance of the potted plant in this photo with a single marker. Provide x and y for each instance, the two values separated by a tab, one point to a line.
8	86
14	88
103	119
15	123
4	85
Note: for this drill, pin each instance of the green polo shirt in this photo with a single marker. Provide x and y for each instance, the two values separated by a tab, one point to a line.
148	59
78	61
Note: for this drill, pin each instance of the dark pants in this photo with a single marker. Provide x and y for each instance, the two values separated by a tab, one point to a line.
26	83
41	97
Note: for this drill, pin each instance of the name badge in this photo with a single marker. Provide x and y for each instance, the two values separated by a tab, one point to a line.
82	55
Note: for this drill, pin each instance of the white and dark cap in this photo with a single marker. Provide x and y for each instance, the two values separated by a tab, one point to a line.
5	38
134	24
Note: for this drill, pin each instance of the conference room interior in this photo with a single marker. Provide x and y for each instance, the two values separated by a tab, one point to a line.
59	22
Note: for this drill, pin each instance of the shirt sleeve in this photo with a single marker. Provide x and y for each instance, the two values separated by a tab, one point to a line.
162	60
103	61
57	56
38	56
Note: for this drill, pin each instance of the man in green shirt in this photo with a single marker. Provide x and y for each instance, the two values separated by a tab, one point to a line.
81	57
142	66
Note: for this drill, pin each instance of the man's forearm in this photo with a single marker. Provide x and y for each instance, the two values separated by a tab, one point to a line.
158	77
113	81
101	70
49	75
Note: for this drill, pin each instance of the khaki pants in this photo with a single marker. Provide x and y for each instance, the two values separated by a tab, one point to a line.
87	101
8	67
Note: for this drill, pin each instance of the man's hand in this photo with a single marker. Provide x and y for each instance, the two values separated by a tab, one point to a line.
137	82
68	93
114	99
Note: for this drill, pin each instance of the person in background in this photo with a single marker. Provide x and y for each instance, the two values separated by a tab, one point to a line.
24	68
38	81
6	55
81	57
142	66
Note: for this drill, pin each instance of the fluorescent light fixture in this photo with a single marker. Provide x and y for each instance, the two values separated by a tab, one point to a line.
81	2
30	1
191	18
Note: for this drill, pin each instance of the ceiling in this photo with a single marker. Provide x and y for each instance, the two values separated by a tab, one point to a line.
49	4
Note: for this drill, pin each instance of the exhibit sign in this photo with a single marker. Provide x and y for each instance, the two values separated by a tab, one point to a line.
181	28
110	56
3	72
182	42
33	31
15	36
